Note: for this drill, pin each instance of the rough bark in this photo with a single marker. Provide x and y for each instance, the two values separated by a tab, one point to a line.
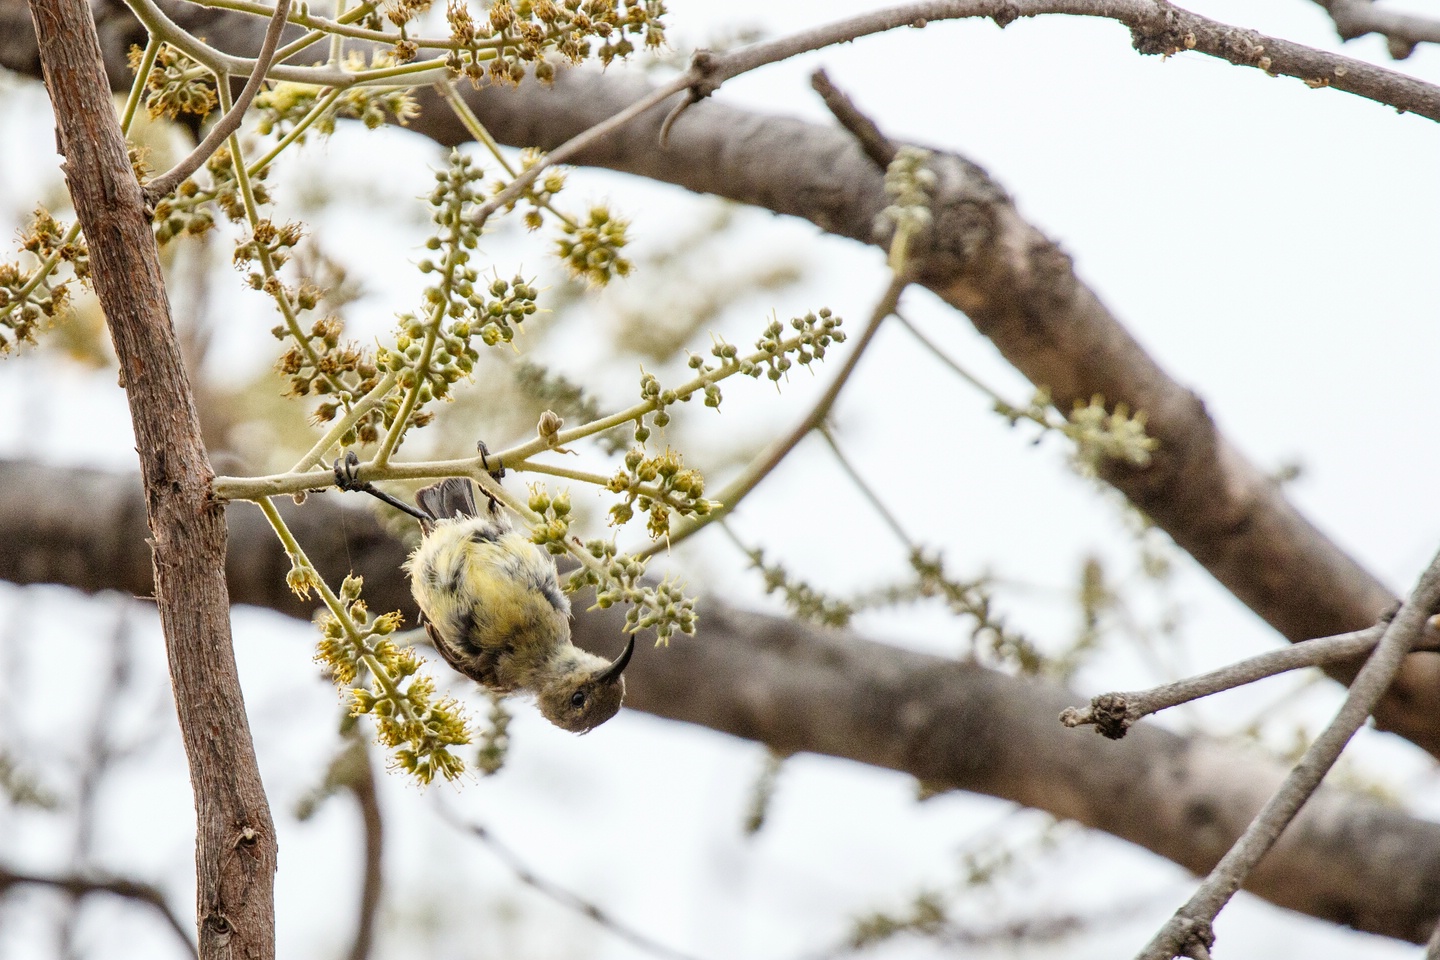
235	845
1014	284
1019	289
798	688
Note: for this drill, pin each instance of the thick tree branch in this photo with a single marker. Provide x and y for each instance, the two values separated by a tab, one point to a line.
1402	31
235	846
1019	289
799	688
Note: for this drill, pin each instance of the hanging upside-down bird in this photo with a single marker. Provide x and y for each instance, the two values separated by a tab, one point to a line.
491	602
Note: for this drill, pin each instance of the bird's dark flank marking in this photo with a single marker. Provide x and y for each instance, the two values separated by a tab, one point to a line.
460	628
551	590
439	643
482	662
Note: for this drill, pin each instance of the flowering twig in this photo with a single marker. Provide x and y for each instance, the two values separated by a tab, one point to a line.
770	458
230	122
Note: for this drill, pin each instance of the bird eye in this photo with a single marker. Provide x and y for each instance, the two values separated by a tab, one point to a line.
577	699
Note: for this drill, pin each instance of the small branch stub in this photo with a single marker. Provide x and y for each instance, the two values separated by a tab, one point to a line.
1109	712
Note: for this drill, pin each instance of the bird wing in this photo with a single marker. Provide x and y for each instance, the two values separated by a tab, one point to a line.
482	667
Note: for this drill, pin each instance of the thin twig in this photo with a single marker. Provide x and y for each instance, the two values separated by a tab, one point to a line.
867	491
1010	937
1157	26
954	367
565	898
1191	926
340	27
761	467
362	788
1432	948
158	23
866	132
77	885
230	122
472	123
578	143
1113	713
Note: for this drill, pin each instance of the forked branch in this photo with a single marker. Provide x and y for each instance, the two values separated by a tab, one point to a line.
1189	932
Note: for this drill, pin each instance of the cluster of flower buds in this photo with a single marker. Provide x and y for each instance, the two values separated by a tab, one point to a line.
909	182
433	347
659	486
804	601
31	297
538	192
813	335
1101	434
621	579
176	84
989	634
517	33
590	249
287	106
409	719
267	241
187	211
495	738
554	526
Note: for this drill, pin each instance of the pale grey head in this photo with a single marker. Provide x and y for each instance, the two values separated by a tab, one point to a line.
581	699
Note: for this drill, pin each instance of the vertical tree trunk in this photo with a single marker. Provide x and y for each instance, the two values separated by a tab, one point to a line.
235	840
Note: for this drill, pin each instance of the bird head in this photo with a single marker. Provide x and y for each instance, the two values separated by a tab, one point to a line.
585	690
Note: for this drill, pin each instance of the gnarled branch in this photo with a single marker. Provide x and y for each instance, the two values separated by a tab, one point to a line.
801	688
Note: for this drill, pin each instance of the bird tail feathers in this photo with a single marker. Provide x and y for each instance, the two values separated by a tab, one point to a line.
451	498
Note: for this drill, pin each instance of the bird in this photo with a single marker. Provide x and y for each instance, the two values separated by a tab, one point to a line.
491	603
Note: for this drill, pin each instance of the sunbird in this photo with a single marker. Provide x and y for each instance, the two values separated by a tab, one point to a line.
491	602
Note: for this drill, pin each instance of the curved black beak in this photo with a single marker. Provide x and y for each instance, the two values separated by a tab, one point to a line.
612	674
